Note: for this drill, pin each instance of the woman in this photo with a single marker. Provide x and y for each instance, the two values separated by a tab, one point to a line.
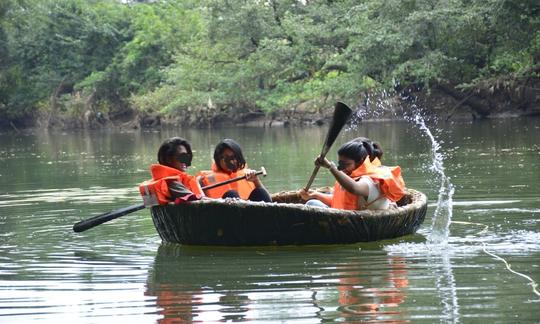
359	184
374	150
229	163
170	182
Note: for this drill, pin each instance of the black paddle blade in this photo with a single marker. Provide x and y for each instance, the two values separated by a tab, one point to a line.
342	112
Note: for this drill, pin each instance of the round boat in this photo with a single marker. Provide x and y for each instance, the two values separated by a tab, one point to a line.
285	221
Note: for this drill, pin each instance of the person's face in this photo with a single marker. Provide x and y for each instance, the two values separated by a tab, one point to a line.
228	161
346	164
182	159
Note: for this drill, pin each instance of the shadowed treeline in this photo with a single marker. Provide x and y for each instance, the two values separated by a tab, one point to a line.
92	63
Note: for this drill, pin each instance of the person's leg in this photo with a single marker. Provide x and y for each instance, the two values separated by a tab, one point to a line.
316	203
260	194
231	194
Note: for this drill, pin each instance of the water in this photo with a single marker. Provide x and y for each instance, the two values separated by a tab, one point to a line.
120	271
443	210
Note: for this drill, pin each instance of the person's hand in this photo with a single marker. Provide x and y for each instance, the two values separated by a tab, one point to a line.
323	162
305	195
251	175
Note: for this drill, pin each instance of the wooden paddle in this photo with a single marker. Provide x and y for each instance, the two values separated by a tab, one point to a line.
102	218
341	114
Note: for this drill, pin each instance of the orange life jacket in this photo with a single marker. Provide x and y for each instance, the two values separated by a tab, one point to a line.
156	191
243	187
376	162
391	185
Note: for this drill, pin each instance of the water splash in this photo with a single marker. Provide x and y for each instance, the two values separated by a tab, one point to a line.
378	105
443	212
438	244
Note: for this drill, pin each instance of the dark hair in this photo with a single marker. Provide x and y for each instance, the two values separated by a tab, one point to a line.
374	149
354	150
168	150
233	146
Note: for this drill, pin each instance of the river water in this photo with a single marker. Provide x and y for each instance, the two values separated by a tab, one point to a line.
121	271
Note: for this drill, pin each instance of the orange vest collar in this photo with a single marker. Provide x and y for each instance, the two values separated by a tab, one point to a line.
159	171
376	162
365	168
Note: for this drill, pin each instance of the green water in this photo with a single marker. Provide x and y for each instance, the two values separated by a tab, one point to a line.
120	271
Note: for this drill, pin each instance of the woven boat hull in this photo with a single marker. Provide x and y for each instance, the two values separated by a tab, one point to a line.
285	221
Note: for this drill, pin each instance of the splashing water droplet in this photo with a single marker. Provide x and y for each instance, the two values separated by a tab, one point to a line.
383	102
443	212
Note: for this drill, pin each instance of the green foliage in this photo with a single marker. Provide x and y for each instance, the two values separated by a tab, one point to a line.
55	44
238	55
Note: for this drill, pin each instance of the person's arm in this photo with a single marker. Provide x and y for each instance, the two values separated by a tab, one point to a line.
198	182
177	189
307	195
251	175
348	183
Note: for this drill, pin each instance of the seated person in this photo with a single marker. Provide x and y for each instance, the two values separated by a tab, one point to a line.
374	150
169	178
359	184
229	163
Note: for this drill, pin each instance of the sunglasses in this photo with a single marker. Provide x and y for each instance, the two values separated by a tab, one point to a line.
184	158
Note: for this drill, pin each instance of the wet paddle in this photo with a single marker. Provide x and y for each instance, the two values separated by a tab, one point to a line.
341	114
102	218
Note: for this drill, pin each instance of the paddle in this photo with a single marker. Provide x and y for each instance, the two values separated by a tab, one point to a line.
102	218
262	171
341	114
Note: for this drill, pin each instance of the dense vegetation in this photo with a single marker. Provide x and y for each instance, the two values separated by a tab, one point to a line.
104	58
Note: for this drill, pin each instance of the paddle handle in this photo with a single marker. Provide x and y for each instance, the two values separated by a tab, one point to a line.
317	167
313	175
100	219
262	171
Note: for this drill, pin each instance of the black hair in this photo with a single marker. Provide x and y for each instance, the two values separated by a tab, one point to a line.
374	149
168	150
233	146
354	150
378	152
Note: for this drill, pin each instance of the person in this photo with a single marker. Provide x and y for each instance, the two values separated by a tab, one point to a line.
229	163
374	150
359	183
170	182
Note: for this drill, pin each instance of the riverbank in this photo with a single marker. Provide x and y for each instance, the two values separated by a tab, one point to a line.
443	102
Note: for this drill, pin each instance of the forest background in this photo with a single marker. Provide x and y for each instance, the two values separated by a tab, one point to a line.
101	63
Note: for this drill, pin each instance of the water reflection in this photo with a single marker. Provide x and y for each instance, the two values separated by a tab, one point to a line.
193	284
359	301
445	284
49	273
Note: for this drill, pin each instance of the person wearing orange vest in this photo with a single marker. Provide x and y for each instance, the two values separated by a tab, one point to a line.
229	163
359	183
374	150
170	182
